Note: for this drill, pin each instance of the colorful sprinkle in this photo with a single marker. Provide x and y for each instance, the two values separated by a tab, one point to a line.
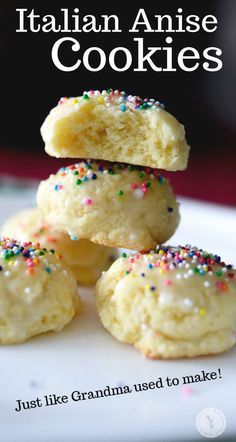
117	100
87	201
74	237
193	263
138	193
11	251
161	179
110	171
88	170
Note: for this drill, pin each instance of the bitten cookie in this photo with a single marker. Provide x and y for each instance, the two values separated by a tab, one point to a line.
111	204
172	303
86	259
113	126
37	293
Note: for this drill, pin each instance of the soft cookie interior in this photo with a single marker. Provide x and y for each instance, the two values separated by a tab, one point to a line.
116	127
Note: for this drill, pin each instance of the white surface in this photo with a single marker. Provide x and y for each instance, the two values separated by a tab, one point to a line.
85	357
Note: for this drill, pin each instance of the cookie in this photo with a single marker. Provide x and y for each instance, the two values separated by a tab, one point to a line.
37	293
172	303
115	205
85	259
113	126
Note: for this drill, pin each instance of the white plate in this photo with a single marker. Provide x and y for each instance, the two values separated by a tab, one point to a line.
85	357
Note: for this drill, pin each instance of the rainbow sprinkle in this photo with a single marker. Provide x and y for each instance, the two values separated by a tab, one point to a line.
32	254
90	170
192	262
116	100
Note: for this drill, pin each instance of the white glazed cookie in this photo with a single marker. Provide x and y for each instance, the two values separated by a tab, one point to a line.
37	293
110	204
172	303
116	127
85	259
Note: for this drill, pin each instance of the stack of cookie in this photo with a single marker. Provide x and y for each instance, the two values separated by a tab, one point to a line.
118	198
169	302
158	300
